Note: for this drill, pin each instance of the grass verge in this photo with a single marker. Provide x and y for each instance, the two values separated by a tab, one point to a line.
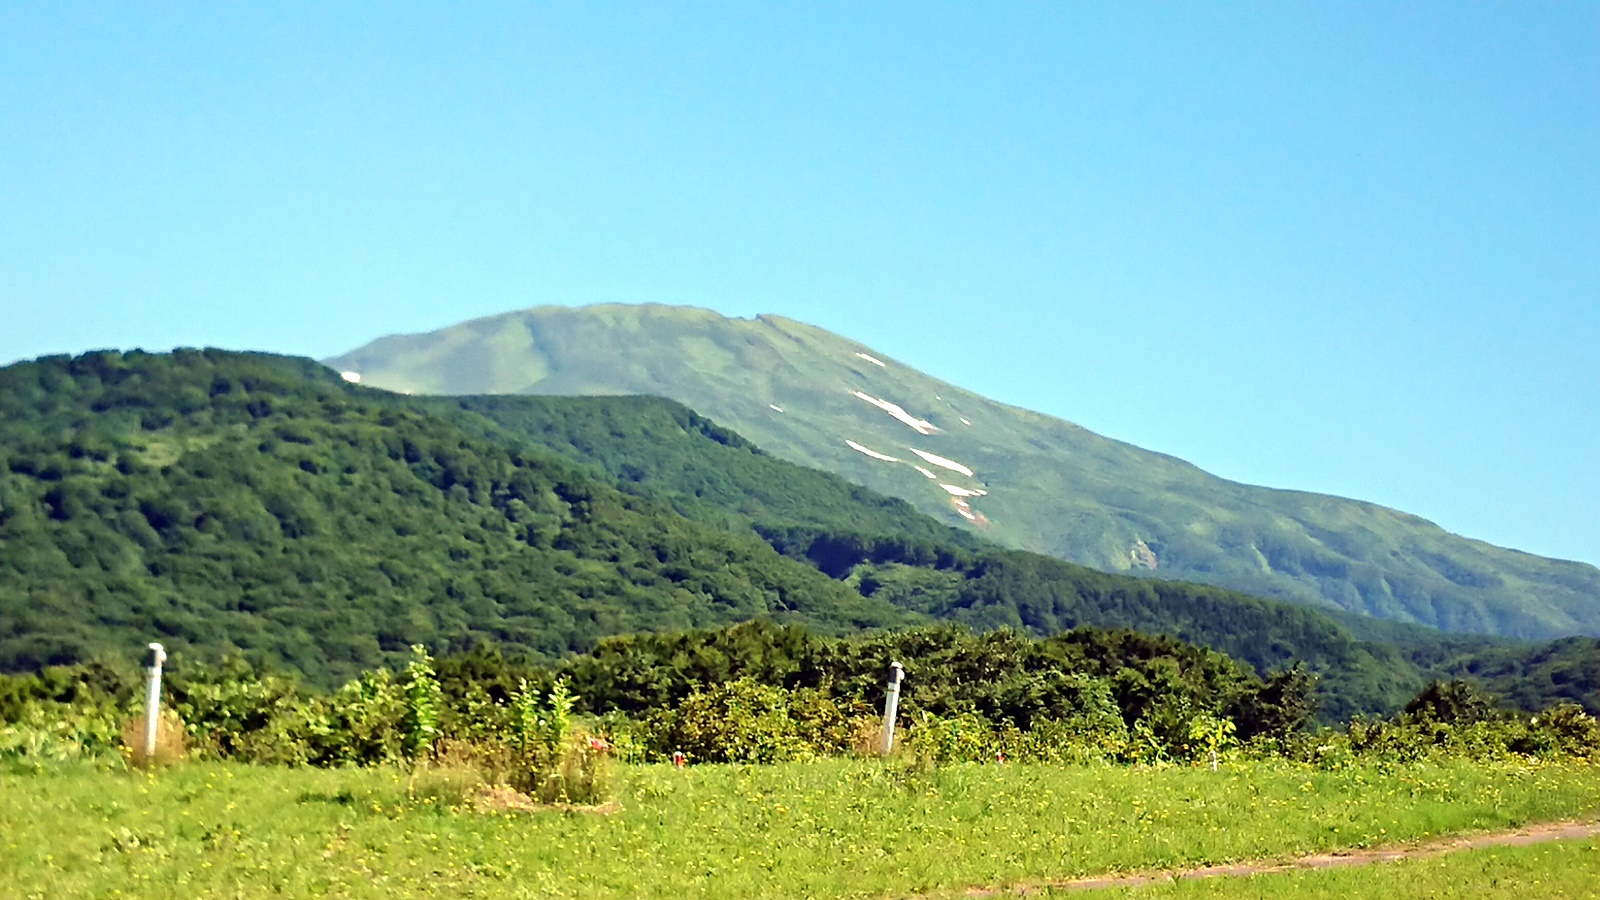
833	828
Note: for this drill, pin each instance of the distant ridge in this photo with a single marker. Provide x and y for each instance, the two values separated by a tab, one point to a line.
1024	479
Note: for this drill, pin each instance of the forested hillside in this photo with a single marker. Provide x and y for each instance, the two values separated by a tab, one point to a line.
222	501
246	503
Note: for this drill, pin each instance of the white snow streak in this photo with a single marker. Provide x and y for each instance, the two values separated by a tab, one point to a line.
774	407
924	471
352	377
965	422
873	359
941	462
870	452
922	426
955	491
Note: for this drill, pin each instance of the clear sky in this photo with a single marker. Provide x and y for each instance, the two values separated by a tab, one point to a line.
1342	247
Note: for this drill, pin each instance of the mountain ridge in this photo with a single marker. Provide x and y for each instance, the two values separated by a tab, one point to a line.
1030	481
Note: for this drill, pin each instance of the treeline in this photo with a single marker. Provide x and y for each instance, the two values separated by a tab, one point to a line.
762	693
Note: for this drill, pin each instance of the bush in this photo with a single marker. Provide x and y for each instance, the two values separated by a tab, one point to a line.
232	713
749	721
941	740
40	735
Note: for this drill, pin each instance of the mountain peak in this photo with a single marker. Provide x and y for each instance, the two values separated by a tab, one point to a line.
1031	481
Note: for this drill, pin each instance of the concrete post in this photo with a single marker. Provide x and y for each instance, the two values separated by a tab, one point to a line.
891	706
152	705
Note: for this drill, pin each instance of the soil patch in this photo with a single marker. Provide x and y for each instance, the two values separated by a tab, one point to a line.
1532	834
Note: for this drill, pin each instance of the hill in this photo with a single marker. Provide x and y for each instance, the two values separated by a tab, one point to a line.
1022	479
235	502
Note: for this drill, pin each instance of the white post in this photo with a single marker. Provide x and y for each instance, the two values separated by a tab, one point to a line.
891	706
152	703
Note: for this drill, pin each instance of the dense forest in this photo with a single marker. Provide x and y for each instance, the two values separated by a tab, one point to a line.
225	502
255	505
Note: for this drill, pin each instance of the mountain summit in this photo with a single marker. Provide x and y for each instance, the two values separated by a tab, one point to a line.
1023	479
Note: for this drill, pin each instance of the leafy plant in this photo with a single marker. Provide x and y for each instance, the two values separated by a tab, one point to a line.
424	704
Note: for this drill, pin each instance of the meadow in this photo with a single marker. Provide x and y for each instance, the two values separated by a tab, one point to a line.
1568	869
824	828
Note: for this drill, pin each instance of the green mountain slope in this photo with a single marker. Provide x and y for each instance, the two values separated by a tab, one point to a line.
678	458
884	549
663	450
224	501
1035	483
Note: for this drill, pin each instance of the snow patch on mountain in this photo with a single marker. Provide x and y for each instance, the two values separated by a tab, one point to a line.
941	462
870	452
874	360
922	426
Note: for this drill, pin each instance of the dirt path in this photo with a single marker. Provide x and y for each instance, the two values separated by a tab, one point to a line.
1533	834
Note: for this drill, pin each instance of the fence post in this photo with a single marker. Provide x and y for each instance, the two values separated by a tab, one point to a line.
891	706
152	704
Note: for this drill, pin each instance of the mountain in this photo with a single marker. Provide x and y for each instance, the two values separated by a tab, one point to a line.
1016	477
223	502
884	549
226	502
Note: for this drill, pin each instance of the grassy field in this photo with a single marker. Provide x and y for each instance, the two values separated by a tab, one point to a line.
837	828
1567	869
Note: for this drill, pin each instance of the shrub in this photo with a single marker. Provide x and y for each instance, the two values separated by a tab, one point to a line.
744	721
232	713
941	740
544	755
43	734
362	723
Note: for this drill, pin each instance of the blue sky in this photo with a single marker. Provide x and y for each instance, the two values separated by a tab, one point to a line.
1350	248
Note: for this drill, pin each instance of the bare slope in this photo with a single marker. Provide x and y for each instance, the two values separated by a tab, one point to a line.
1024	479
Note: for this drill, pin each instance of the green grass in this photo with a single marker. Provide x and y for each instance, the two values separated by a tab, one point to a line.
839	828
1568	869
